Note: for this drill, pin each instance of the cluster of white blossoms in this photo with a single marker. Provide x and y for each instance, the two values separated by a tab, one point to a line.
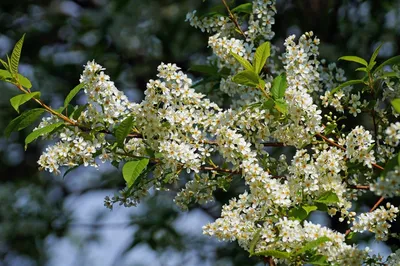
377	222
388	185
358	146
182	134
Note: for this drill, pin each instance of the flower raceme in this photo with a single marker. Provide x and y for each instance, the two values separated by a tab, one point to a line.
177	132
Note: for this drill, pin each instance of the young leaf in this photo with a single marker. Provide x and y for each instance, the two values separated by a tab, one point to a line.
72	94
364	69
243	8
132	169
246	64
4	75
16	54
391	61
123	129
354	59
20	99
396	105
254	241
345	84
5	65
297	213
41	131
372	61
279	86
23	121
25	82
261	56
328	197
274	253
313	244
318	260
247	78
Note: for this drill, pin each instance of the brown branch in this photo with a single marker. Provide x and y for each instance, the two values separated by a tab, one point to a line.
233	18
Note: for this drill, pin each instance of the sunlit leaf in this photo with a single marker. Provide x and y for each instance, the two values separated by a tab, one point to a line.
132	169
20	99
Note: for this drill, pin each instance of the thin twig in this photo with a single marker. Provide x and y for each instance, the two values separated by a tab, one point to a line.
233	18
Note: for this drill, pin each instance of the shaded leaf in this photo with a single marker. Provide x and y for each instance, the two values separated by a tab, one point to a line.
313	244
23	121
372	61
243	8
4	74
328	197
72	94
254	241
318	260
347	83
274	253
391	61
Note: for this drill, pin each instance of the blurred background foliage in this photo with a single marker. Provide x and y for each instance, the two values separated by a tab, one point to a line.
45	219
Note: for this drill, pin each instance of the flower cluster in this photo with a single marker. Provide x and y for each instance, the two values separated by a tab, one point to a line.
377	221
388	185
358	143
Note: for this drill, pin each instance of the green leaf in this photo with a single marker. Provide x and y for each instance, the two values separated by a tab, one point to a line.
345	84
261	56
313	244
77	113
328	197
364	69
396	105
246	64
254	241
269	104
247	78
23	121
20	99
123	130
274	253
243	8
279	86
372	61
205	69
281	106
24	81
15	56
132	169
391	61
390	165
298	213
70	170
41	131
390	74
355	59
72	94
4	75
318	260
5	65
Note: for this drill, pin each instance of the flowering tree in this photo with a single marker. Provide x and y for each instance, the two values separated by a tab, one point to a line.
276	100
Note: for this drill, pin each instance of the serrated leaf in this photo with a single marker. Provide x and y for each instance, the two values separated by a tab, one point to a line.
274	253
41	131
243	8
246	64
328	197
345	84
313	244
247	78
72	94
279	86
123	129
15	56
372	61
261	55
5	65
20	99
281	106
254	241
355	59
391	61
4	74
23	121
396	105
132	169
24	81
